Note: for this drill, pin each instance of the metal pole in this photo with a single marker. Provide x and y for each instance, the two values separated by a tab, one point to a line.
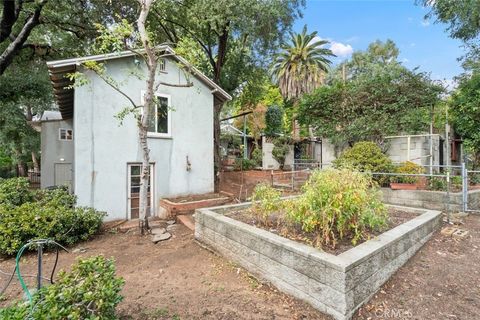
39	274
464	187
245	147
448	195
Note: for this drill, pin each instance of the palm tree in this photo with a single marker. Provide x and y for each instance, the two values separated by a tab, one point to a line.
301	66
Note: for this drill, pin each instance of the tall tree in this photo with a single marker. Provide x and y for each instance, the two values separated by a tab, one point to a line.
465	113
301	66
138	39
233	36
380	97
463	20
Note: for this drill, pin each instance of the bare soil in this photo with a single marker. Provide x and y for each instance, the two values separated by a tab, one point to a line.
277	225
197	197
175	279
442	281
242	183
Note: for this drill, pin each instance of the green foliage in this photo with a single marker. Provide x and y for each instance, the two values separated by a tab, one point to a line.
265	201
51	215
15	191
408	167
380	97
281	147
365	156
300	67
273	120
90	290
338	204
244	164
465	113
257	156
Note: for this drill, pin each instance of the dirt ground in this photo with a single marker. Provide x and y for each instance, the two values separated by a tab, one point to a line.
175	279
441	282
241	184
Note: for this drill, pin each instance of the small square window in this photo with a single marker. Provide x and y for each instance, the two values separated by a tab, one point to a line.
65	134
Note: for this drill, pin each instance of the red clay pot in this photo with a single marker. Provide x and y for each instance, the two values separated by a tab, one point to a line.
403	186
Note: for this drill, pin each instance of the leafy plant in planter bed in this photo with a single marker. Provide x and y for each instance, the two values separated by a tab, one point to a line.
89	291
408	182
335	204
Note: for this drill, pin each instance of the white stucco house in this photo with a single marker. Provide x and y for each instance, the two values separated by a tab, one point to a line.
99	159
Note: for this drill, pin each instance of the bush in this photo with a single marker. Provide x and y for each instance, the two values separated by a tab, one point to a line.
365	156
15	191
257	156
408	167
244	164
338	204
440	183
265	201
89	291
52	216
281	147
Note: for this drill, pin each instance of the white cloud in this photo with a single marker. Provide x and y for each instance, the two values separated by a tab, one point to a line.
340	49
425	23
405	60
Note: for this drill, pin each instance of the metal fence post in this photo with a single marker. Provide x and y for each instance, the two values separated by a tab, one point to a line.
448	195
464	187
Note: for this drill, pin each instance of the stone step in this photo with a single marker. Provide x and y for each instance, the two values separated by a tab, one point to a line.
187	221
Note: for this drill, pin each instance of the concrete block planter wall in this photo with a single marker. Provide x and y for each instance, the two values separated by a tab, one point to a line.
435	200
336	285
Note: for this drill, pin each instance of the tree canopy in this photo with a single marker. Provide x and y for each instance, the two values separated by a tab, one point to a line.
380	97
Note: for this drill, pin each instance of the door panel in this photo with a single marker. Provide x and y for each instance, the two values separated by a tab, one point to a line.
134	177
63	175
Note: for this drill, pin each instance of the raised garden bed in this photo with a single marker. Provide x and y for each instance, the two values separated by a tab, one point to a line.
171	207
334	284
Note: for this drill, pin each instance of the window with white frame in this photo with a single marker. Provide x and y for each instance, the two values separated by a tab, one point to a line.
65	134
159	115
162	65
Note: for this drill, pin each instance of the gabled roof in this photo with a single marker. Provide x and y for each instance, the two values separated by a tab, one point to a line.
60	68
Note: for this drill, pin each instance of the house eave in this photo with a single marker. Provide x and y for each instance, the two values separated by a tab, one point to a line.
63	86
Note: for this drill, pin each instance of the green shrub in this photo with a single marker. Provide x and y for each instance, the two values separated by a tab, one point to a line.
265	201
437	183
57	197
89	291
257	156
281	147
337	204
365	156
411	168
15	191
244	164
49	220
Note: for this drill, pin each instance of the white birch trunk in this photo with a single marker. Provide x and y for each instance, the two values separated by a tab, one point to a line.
151	62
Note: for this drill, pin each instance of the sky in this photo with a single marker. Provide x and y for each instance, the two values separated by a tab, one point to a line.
351	25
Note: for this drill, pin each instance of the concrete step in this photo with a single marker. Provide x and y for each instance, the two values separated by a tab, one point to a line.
187	220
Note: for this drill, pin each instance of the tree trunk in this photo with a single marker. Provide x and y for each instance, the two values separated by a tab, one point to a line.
148	97
216	141
36	167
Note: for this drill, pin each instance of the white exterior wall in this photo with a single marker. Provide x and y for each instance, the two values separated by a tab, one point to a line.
268	162
103	147
397	150
54	149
